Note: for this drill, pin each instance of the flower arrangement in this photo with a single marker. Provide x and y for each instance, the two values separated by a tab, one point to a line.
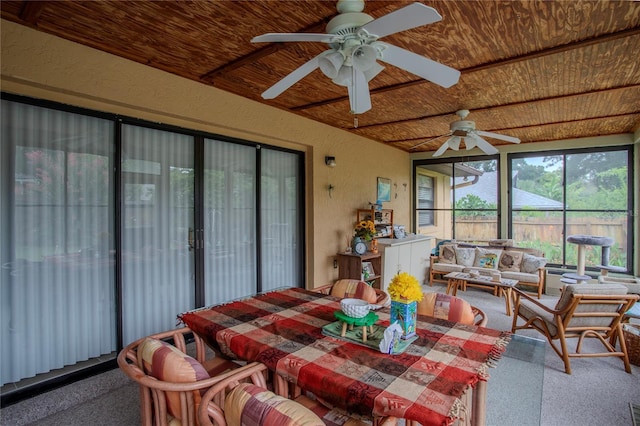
365	229
405	286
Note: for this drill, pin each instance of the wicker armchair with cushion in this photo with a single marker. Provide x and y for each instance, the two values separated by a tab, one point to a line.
451	308
243	398
582	311
348	288
171	382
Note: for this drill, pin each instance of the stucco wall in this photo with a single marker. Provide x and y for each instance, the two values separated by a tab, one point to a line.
41	66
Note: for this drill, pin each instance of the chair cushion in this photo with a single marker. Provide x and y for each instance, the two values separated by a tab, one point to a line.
167	363
531	264
570	290
465	256
248	404
510	261
355	289
447	253
487	258
332	416
443	306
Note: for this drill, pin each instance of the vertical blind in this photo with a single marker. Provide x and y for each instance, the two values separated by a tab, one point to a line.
58	298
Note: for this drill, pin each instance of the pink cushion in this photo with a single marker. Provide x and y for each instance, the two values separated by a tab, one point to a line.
167	363
443	306
248	404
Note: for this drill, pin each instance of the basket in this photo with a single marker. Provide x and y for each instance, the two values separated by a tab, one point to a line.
631	334
355	308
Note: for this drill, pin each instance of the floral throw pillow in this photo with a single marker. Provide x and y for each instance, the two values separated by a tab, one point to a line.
531	264
465	256
510	261
447	254
487	258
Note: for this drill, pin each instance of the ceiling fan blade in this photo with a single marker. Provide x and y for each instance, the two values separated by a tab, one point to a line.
285	37
484	145
442	149
498	136
405	18
426	68
359	96
292	78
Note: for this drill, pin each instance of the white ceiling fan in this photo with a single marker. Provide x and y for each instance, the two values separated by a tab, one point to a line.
354	43
465	130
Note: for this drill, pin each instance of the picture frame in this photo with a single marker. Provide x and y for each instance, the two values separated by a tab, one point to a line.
367	270
384	189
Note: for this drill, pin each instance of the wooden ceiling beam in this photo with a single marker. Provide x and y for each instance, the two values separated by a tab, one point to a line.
513	104
532	126
491	65
31	10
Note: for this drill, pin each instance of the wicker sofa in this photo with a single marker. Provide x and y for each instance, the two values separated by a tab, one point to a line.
524	264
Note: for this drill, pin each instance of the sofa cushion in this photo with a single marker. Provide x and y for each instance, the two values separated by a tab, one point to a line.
531	264
443	306
522	277
510	260
447	267
465	256
248	404
167	363
487	258
447	254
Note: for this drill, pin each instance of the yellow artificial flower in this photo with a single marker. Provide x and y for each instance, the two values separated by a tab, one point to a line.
405	286
365	229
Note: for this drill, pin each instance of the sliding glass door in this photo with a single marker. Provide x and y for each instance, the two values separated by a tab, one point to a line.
158	278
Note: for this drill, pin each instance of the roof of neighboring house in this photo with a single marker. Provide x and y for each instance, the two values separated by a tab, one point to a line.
486	189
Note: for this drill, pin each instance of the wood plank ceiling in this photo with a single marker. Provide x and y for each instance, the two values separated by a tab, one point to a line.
536	70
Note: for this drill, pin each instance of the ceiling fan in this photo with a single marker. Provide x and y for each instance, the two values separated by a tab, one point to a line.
465	130
351	61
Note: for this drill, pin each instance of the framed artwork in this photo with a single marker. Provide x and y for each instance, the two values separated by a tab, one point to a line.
384	189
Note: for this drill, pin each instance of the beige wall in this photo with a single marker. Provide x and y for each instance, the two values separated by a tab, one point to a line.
41	66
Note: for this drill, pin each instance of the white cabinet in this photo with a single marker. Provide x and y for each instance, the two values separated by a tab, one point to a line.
410	254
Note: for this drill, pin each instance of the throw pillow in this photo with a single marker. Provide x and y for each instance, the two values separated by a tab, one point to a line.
248	404
510	261
465	256
167	363
487	258
447	254
531	264
446	307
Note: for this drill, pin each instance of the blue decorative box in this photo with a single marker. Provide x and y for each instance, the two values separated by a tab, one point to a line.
405	314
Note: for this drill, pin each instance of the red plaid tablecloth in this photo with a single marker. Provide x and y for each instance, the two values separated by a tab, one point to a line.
283	330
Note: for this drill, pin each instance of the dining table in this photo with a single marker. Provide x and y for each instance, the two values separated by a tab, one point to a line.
428	383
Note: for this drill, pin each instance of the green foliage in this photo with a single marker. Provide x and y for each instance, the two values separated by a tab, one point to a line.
472	205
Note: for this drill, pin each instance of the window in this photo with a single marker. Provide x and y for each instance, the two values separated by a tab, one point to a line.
457	199
578	192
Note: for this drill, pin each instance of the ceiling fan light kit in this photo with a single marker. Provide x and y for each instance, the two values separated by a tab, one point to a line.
354	51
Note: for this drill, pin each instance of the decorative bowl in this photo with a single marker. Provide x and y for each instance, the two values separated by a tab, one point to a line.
355	308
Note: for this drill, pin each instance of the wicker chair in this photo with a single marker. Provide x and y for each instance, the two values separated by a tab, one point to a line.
357	289
452	308
233	398
583	311
165	402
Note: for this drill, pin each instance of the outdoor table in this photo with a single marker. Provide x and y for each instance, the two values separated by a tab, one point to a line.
504	287
427	383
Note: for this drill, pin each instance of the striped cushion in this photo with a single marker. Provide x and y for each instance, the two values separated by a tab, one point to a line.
167	363
355	289
446	307
248	404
